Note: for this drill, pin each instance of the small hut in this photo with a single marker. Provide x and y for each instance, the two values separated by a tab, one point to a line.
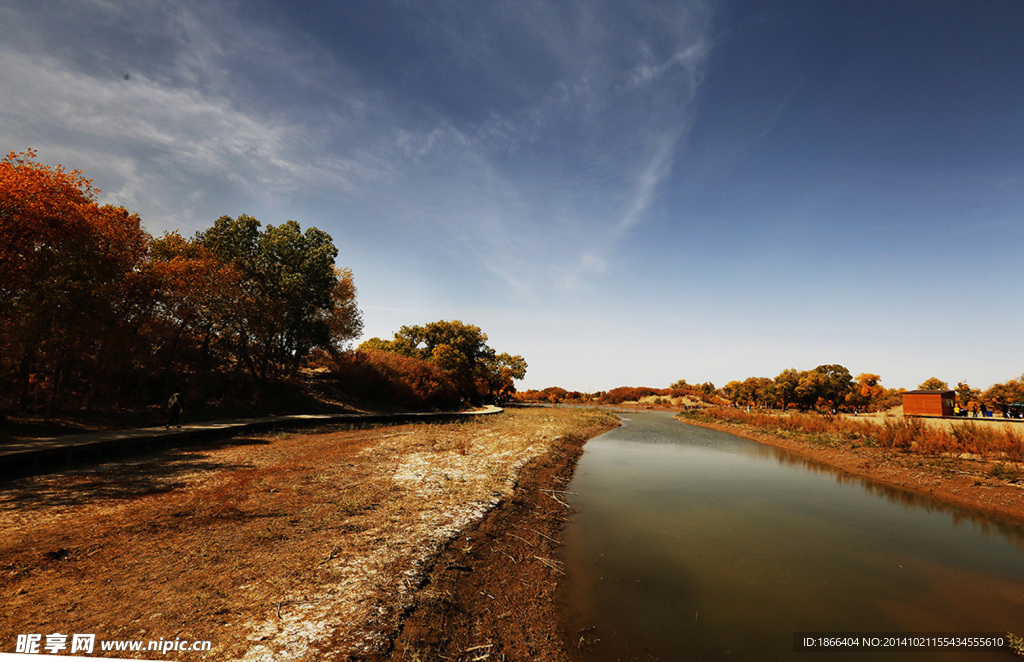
928	403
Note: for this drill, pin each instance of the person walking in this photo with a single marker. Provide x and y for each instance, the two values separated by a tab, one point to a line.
174	410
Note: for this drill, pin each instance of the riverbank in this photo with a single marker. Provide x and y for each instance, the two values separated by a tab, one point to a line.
965	482
492	593
386	543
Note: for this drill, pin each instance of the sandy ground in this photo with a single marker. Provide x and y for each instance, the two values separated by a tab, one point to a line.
314	546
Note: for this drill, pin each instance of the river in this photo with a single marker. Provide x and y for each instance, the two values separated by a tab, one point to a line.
694	544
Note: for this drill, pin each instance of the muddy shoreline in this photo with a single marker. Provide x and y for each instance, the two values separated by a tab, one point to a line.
960	483
492	593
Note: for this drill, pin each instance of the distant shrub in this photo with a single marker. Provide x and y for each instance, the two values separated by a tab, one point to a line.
402	380
627	394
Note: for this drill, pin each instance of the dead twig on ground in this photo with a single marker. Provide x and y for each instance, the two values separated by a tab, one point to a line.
330	556
551	563
549	538
512	535
559	500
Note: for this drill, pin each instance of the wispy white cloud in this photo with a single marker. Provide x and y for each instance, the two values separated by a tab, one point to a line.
174	140
585	112
543	193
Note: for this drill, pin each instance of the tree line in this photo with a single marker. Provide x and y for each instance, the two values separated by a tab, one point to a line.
97	313
828	387
999	395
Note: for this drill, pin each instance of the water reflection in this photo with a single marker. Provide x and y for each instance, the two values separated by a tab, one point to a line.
986	525
692	540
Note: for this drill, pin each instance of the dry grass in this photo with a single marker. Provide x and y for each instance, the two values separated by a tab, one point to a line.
999	441
996	423
272	548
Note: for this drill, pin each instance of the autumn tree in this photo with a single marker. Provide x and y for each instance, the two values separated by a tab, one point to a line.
72	292
734	391
461	351
825	385
867	392
934	384
292	298
966	394
554	394
751	391
837	384
810	389
784	388
196	295
1004	394
499	374
758	390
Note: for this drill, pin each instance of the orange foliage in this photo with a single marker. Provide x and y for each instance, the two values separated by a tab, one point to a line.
71	289
94	310
628	393
388	377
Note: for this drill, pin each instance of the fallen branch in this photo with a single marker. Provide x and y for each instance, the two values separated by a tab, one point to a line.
550	563
546	537
330	556
559	500
523	539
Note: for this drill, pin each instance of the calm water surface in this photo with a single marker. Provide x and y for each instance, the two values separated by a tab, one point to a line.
693	544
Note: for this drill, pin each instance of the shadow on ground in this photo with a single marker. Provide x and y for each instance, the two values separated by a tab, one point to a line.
140	475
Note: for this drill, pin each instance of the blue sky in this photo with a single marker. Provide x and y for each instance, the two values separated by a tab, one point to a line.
625	193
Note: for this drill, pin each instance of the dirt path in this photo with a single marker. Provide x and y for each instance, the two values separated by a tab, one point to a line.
311	546
962	483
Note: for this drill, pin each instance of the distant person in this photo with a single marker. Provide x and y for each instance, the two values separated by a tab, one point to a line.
174	410
956	409
984	410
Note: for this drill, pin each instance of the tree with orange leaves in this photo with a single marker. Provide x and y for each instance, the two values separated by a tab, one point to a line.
867	392
69	279
94	310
